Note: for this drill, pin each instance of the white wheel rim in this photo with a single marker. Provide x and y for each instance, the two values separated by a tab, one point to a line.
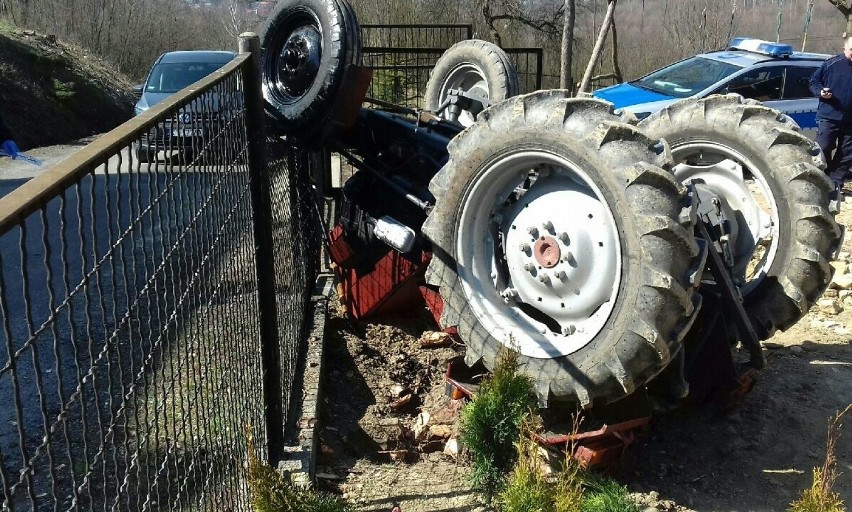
747	201
539	256
469	78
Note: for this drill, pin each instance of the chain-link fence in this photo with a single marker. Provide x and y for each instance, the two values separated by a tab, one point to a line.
402	56
153	289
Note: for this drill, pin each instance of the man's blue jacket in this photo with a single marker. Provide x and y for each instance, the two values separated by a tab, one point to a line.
836	74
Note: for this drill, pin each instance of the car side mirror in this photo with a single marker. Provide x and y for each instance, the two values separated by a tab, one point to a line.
137	89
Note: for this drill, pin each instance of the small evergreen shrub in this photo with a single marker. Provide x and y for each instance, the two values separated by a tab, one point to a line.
491	423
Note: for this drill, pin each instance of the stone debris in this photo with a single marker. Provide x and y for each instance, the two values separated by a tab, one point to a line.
398	390
829	306
451	448
796	349
840	266
421	426
400	403
841	281
431	339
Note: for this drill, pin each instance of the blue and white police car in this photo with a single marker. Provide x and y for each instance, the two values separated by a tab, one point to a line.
768	72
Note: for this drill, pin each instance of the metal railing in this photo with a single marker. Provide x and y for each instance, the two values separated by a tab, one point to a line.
153	289
415	36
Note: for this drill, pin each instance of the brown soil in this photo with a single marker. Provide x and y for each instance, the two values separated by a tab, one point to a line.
53	93
757	456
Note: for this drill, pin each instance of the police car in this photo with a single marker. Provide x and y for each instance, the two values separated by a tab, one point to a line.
769	72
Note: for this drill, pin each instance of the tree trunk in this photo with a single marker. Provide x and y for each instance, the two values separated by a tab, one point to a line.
616	69
846	10
566	81
596	52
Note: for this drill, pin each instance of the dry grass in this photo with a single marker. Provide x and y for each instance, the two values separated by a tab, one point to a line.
272	491
821	496
528	488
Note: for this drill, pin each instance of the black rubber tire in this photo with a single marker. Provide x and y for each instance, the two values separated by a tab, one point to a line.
792	166
303	115
654	226
499	74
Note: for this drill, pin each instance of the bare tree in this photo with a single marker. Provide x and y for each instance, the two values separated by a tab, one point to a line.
566	81
515	15
846	10
596	52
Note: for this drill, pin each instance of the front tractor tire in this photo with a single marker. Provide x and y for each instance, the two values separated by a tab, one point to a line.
307	46
558	232
773	189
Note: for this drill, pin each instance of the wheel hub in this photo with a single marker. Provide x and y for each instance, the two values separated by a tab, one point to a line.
469	78
752	221
300	60
547	252
561	264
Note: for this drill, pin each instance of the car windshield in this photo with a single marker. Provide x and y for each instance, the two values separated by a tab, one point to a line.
172	77
687	77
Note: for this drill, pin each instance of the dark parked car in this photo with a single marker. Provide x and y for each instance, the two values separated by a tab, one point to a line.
170	73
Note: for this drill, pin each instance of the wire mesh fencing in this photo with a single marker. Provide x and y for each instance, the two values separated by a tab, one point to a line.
132	368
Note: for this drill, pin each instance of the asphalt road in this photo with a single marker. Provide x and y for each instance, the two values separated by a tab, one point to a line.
62	324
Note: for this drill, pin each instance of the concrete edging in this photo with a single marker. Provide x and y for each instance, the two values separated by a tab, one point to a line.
300	456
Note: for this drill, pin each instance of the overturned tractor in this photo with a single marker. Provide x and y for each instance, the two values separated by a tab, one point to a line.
613	255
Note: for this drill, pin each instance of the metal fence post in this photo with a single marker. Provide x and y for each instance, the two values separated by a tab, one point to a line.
263	251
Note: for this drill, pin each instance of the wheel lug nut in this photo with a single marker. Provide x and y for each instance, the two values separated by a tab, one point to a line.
524	247
509	293
568	256
569	330
529	267
548	226
544	278
560	275
532	230
564	237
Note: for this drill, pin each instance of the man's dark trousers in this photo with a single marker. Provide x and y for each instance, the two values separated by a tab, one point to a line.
833	135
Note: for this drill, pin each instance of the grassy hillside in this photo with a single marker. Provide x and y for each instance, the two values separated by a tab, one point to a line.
51	92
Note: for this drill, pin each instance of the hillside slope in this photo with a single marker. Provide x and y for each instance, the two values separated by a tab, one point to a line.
51	92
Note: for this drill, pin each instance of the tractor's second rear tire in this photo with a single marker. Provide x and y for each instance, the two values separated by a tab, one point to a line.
558	232
775	190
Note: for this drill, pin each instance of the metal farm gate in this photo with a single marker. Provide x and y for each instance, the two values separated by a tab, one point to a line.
402	56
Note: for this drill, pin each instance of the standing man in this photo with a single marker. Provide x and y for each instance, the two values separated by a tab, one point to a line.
7	142
832	83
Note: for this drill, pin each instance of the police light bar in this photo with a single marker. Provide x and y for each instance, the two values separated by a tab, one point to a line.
761	46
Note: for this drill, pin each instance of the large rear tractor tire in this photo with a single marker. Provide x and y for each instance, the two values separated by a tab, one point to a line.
307	46
775	191
475	66
558	232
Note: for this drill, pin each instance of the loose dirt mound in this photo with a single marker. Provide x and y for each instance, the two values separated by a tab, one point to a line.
52	93
758	456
